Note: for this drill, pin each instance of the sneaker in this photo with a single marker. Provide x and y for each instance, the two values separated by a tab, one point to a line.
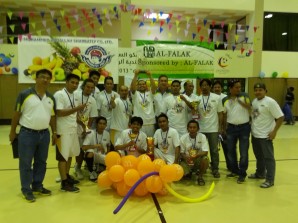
67	187
78	172
255	176
232	175
71	180
240	180
58	179
267	184
93	176
215	174
42	191
29	197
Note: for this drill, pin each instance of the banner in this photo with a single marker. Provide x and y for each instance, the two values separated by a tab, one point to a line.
64	55
8	59
183	60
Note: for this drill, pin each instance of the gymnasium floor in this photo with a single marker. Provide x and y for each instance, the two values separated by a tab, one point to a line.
229	202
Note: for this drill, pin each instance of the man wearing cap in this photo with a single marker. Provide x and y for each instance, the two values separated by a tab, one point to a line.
267	117
35	111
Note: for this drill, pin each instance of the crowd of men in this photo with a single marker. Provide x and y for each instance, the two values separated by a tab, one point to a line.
87	123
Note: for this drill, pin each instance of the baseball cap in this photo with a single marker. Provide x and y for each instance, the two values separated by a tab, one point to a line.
260	85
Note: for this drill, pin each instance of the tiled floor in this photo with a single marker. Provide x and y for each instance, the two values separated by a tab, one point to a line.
229	202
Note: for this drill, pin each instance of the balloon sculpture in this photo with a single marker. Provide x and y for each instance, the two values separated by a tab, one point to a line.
129	174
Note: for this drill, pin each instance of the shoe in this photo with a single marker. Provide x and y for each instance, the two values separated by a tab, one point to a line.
216	174
267	184
187	176
240	180
201	181
67	187
78	172
93	176
29	197
232	175
42	191
71	180
255	176
58	179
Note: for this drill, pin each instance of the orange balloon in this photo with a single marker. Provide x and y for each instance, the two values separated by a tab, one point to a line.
112	158
116	173
145	166
163	191
158	163
103	179
153	184
141	190
168	173
179	172
131	176
129	162
122	188
144	157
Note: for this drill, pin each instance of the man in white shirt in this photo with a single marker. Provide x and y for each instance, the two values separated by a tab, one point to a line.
85	119
166	141
95	76
194	152
236	123
121	113
267	117
68	141
188	91
143	102
105	98
161	94
96	145
211	115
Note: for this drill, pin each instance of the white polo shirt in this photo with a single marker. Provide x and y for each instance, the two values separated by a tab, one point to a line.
159	102
264	113
121	114
199	143
105	107
192	97
36	111
94	138
94	94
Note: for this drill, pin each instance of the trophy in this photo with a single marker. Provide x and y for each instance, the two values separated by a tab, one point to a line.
150	147
192	153
195	115
132	137
85	120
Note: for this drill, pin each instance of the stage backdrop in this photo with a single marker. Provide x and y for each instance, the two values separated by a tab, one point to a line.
63	55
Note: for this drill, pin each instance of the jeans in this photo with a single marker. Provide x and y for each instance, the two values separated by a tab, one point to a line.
264	153
241	133
213	148
32	145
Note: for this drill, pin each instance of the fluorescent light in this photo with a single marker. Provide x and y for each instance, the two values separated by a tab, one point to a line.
284	34
268	16
155	15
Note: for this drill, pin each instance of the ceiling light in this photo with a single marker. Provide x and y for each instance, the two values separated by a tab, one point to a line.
284	34
268	16
155	15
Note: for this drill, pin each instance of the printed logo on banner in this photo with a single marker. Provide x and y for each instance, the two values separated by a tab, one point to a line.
96	57
223	62
149	51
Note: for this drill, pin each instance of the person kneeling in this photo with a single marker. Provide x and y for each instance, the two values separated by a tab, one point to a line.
96	145
194	151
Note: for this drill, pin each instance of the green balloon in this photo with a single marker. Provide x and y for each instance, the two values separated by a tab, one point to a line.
274	74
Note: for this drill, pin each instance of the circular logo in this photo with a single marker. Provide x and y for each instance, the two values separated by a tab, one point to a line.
96	57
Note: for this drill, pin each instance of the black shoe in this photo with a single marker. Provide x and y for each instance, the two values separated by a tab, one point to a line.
216	174
71	180
240	180
67	187
267	184
29	197
232	175
255	176
42	191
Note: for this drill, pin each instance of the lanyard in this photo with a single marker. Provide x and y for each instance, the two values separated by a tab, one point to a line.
205	104
164	140
107	97
83	99
136	137
97	138
143	98
193	144
125	105
72	103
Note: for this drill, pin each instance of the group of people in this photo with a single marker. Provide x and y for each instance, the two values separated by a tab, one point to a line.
87	123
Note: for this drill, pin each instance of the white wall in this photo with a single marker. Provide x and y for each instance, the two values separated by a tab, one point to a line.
281	5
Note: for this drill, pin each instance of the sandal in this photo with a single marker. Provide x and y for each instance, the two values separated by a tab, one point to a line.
267	184
201	181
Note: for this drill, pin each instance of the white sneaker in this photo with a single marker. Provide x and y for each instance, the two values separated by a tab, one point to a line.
58	179
78	172
93	176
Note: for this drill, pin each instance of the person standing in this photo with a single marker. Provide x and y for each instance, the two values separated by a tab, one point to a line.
267	118
289	101
34	111
95	76
211	116
236	123
188	91
68	142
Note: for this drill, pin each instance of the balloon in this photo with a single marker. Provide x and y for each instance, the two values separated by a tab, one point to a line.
144	157
285	74
141	190
163	191
190	200
145	166
129	162
112	158
131	176
261	74
116	173
168	173
274	74
122	188
103	179
158	163
179	172
153	184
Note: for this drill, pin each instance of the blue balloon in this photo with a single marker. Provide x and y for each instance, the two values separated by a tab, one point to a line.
14	70
261	74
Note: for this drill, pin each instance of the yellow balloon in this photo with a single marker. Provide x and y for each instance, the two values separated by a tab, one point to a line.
129	162
179	172
187	199
112	158
131	176
116	173
153	184
103	179
145	166
158	163
168	173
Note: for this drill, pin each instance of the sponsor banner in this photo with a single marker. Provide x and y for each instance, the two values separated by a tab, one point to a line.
228	63
64	55
8	59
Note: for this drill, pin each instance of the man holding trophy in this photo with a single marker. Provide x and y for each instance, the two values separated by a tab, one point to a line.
132	141
194	151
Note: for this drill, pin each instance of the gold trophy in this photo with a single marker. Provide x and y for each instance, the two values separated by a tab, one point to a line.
85	120
192	153
132	137
150	147
195	104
